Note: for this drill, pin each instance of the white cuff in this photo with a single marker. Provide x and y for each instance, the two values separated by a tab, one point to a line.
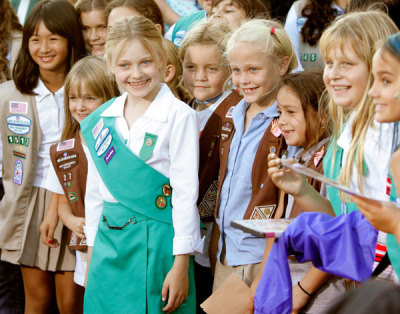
185	245
90	234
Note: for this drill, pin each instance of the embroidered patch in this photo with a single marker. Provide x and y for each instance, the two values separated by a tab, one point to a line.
18	172
83	242
67	160
300	23
105	145
72	197
272	150
207	204
67	144
226	131
73	239
229	112
19	154
101	138
67	176
161	202
275	130
263	212
109	155
318	156
20	140
18	107
149	143
19	124
166	190
97	128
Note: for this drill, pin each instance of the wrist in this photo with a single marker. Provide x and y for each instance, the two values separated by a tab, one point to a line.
181	261
302	288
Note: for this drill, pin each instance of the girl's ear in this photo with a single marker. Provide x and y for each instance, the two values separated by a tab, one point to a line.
284	65
170	72
159	28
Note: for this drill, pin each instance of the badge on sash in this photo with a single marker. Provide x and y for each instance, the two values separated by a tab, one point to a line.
18	172
67	160
149	143
104	145
229	112
263	212
207	204
226	131
19	124
18	107
109	155
67	144
97	128
19	154
72	197
101	138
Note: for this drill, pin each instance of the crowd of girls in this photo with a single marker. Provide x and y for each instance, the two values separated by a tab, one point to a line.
125	158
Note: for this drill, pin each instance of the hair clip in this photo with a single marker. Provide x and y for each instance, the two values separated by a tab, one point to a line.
272	30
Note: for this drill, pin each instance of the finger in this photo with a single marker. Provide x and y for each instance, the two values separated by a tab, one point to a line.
164	291
171	301
43	235
274	162
271	156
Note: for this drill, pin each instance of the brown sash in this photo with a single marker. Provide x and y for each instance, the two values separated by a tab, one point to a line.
70	164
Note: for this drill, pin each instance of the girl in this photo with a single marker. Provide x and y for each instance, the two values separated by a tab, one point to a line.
259	54
205	72
235	12
305	24
32	117
88	85
346	48
118	9
94	24
144	156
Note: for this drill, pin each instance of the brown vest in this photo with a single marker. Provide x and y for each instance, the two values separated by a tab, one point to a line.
71	166
21	136
296	210
209	158
265	195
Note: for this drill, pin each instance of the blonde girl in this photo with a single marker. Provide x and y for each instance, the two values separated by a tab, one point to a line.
259	53
347	48
32	119
88	85
143	224
94	24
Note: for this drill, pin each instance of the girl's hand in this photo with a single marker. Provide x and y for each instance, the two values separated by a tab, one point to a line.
76	224
47	228
176	283
300	299
285	179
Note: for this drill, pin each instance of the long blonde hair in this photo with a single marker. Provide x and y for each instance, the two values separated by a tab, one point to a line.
359	31
96	77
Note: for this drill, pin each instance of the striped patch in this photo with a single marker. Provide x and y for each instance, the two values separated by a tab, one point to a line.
19	155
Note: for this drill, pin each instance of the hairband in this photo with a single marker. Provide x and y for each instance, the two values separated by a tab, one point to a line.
272	30
394	41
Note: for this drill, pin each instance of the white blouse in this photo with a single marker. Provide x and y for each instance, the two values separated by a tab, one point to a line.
175	155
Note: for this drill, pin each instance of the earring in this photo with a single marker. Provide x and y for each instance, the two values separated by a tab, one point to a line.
396	96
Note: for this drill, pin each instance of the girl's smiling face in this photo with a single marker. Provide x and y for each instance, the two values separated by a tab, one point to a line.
292	121
385	90
345	77
94	31
229	12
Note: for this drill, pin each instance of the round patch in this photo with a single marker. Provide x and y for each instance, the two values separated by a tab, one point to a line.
161	202
166	190
149	142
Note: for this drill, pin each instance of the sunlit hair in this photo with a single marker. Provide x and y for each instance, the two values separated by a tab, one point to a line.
135	28
8	25
146	8
269	37
90	75
173	59
309	87
358	31
26	71
253	8
91	5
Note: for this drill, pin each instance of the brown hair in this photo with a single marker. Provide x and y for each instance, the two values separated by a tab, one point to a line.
253	8
309	87
26	71
91	5
8	24
97	78
146	8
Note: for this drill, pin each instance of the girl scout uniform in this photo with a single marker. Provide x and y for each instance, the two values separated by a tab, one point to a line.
144	205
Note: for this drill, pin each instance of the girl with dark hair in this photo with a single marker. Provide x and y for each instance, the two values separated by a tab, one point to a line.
305	24
32	117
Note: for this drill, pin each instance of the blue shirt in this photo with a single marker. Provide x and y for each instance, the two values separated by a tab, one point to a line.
241	248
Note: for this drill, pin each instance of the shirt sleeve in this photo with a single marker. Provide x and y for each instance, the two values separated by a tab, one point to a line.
52	183
93	202
293	33
168	34
184	163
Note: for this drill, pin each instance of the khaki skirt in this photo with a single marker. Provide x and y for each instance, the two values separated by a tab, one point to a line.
34	253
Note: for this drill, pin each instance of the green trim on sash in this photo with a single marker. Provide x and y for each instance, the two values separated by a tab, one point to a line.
184	24
333	174
391	242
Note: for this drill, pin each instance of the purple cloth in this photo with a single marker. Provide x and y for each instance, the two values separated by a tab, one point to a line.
343	246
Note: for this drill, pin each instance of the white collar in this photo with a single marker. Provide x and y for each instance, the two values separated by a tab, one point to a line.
158	109
42	91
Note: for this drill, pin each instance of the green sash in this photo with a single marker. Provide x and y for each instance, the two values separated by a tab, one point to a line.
391	242
132	253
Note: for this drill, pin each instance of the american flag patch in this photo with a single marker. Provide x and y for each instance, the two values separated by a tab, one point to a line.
68	144
18	107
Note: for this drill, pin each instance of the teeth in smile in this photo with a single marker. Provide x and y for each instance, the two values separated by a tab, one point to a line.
46	58
340	88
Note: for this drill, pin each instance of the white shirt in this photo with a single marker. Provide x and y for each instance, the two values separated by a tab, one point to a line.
22	10
50	109
175	155
377	154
